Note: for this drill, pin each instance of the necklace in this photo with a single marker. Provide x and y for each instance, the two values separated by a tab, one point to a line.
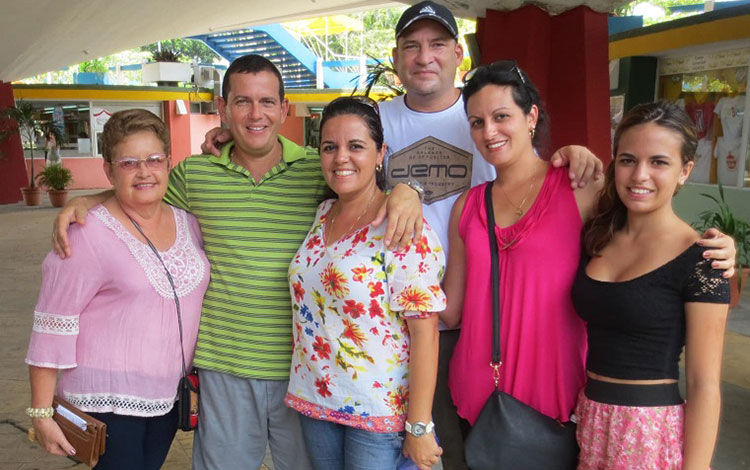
329	229
519	207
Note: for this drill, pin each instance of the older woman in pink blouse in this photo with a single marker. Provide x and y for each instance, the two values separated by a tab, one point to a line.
107	316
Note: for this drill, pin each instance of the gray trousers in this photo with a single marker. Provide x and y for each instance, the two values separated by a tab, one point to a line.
238	418
444	412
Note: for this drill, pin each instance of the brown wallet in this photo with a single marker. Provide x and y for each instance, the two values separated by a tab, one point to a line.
88	443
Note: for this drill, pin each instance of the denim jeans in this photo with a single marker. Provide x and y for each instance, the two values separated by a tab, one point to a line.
136	442
333	446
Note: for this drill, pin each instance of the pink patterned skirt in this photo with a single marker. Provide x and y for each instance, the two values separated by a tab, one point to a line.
626	437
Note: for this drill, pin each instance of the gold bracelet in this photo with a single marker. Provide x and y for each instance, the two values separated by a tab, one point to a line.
40	412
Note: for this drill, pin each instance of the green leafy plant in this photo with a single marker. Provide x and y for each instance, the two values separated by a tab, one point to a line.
94	66
380	73
22	119
55	177
722	218
166	55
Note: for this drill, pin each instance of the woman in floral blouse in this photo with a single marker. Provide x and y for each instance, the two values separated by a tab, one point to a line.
365	324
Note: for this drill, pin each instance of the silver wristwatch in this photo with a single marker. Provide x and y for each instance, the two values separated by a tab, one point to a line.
419	428
417	186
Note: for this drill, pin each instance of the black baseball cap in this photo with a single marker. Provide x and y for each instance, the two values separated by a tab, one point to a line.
427	10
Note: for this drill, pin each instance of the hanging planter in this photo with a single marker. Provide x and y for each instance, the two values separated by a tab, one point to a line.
166	69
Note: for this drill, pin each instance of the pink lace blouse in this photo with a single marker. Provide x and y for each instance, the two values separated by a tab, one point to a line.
543	341
107	316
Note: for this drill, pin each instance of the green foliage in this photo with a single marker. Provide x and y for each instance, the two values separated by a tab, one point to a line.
378	36
22	119
95	65
381	74
629	8
188	50
722	218
166	55
55	177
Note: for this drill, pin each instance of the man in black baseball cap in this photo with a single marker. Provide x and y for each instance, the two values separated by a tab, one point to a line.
427	10
428	126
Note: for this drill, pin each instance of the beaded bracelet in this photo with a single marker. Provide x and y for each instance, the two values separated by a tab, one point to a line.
40	412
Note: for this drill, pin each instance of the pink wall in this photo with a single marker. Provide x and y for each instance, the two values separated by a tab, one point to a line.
179	131
87	171
199	125
294	127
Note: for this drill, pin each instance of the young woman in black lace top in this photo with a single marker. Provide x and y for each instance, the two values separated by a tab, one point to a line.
645	291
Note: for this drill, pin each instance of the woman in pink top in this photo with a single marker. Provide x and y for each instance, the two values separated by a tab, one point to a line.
538	224
106	317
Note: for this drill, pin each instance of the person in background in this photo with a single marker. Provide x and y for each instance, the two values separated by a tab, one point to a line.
106	317
365	322
645	290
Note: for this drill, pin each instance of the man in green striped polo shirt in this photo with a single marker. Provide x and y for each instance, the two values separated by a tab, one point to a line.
255	203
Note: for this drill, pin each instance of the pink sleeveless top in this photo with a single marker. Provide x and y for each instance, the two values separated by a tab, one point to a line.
543	341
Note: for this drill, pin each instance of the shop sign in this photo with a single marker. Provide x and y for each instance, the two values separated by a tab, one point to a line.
700	62
100	117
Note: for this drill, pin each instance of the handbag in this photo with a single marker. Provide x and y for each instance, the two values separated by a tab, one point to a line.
509	434
85	433
188	387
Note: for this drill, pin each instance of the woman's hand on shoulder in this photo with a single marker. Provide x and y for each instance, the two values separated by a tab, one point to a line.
51	437
584	167
424	450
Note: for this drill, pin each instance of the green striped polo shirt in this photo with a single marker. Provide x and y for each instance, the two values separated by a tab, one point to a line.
251	232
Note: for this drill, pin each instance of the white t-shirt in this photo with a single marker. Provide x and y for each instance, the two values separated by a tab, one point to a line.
728	158
435	149
732	112
702	170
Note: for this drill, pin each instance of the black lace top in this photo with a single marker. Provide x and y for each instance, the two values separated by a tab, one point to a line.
636	328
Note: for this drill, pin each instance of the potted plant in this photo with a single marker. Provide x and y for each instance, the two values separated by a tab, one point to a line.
92	72
23	120
56	178
722	218
166	68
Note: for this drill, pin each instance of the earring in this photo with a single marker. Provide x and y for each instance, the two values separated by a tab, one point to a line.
532	132
379	167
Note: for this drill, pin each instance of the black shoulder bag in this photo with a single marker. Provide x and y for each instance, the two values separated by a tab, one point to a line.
188	386
508	433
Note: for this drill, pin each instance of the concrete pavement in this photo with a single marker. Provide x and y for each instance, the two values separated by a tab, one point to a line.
24	241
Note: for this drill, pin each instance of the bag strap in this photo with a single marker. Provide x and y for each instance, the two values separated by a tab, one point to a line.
174	291
495	283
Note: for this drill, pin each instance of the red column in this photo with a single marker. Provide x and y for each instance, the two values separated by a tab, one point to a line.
13	175
566	57
179	131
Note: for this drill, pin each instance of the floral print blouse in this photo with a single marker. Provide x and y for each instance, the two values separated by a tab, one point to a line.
350	362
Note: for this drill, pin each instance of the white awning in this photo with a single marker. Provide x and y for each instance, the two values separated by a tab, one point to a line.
44	35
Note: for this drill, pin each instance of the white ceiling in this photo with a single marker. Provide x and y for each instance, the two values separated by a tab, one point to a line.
43	35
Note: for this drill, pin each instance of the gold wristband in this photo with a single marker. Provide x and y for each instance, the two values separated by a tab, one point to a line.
40	412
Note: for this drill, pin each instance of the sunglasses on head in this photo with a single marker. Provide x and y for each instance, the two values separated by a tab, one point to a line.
504	65
361	99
